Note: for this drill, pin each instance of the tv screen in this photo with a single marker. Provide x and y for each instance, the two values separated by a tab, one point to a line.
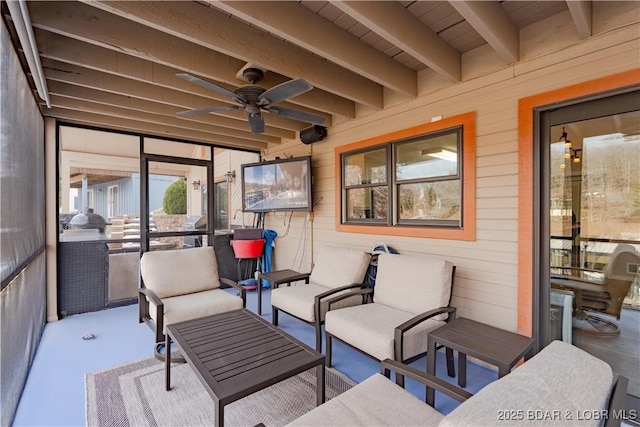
277	185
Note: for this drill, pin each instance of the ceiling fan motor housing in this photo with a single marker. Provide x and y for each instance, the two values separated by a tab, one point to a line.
253	75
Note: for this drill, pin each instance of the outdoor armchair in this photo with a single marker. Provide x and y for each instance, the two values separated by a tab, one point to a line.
411	297
336	270
605	297
180	285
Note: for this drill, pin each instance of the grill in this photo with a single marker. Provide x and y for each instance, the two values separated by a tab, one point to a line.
195	222
88	220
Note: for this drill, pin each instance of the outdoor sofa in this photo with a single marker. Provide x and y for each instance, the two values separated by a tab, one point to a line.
561	385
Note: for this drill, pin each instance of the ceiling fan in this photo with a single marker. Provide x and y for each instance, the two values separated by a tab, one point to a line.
255	99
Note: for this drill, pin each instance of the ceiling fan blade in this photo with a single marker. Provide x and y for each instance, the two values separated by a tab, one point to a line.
302	116
256	123
211	86
284	91
208	110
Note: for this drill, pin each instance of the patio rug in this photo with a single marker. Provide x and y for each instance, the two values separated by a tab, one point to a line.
133	394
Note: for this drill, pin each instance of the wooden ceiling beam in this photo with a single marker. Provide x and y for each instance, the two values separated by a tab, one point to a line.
97	105
157	119
70	51
582	15
140	105
96	27
397	25
163	131
194	22
491	21
299	25
72	74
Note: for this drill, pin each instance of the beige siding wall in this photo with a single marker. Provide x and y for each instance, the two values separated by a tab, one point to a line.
552	56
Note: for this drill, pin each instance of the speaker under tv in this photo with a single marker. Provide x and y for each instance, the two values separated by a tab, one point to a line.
277	185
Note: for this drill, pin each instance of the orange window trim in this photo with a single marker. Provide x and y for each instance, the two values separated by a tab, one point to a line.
526	108
468	232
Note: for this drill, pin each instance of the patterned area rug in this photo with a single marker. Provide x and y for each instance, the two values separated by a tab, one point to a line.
133	394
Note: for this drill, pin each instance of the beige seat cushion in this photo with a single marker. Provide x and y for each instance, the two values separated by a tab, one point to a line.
371	328
193	306
180	272
413	283
376	401
299	300
544	385
337	266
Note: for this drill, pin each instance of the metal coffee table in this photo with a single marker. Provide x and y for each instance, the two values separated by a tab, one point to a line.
237	353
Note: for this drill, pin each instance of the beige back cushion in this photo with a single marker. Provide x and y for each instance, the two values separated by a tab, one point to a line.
562	380
338	266
413	283
180	272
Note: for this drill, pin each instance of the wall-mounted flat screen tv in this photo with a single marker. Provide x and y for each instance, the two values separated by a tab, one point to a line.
277	185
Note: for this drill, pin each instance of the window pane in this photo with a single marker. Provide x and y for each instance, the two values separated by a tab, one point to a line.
594	191
430	201
370	202
222	205
366	168
427	157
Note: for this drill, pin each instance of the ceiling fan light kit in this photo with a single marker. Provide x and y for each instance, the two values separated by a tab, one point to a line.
254	99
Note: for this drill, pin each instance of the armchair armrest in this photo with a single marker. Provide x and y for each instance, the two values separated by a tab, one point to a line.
578	283
431	381
361	290
151	296
401	329
295	278
318	298
236	285
144	296
617	400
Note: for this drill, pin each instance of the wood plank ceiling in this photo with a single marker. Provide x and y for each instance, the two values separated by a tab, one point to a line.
113	64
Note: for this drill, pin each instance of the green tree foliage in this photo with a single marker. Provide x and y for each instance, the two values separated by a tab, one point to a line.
175	198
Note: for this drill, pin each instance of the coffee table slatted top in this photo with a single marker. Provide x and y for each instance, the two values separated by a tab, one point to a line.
238	353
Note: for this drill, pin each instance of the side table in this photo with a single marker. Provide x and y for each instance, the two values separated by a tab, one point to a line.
493	345
279	277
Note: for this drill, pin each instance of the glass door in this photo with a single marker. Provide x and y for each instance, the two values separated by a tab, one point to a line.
590	230
175	176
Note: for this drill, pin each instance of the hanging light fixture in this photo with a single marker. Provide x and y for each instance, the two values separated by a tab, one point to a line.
570	153
575	154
